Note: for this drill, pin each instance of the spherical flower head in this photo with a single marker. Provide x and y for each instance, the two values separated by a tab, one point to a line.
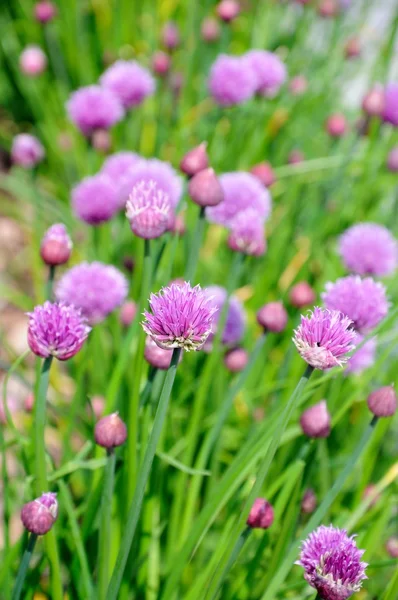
363	358
273	317
97	289
261	515
116	166
247	234
302	295
236	360
336	125
231	81
392	160
110	431
129	82
242	191
373	102
26	151
56	245
364	301
270	72
93	107
148	210
390	112
161	63
236	317
210	30
33	61
264	172
181	317
328	8
170	35
205	188
128	312
101	141
45	11
95	199
324	338
56	330
332	563
383	402
315	421
39	516
195	160
228	10
369	249
157	357
309	502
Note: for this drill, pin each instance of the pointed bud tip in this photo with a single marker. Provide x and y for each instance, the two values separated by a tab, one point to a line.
110	431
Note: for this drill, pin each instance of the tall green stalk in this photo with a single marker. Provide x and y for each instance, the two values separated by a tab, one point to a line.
23	567
105	526
197	237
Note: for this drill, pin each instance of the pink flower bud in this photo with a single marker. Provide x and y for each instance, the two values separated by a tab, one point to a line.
32	61
263	171
308	503
273	317
295	157
195	160
392	547
101	140
45	11
160	358
302	295
161	63
392	160
29	402
336	125
56	246
352	48
110	431
328	8
261	515
383	402
315	421
205	188
39	516
127	313
298	85
170	36
373	102
210	30
228	10
236	360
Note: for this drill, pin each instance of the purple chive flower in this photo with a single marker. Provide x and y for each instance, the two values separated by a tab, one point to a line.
97	289
364	301
56	245
116	166
270	72
242	191
45	11
315	421
236	360
247	234
332	563
261	515
383	402
390	112
39	516
26	151
205	189
93	107
33	61
231	80
56	330
236	318
95	199
369	249
170	35
181	317
148	210
324	338
129	82
272	317
363	358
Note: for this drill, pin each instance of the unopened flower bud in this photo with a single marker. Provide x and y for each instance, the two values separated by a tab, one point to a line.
101	140
302	295
56	246
328	8
336	125
392	547
110	431
33	61
210	30
236	360
161	63
205	188
195	160
29	402
39	516
228	10
392	160
273	317
261	515
373	102
157	357
264	172
315	421
309	502
45	11
170	36
127	313
352	48
383	402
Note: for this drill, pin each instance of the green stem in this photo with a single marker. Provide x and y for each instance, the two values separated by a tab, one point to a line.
23	567
105	527
136	504
50	283
197	237
234	554
319	514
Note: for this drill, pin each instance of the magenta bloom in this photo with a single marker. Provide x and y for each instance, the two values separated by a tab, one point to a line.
236	318
93	107
270	72
33	61
247	234
369	249
242	191
363	358
231	80
97	289
56	330
45	11
95	199
148	210
364	301
181	317
26	151
324	338
130	82
261	515
116	166
332	563
390	112
39	516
